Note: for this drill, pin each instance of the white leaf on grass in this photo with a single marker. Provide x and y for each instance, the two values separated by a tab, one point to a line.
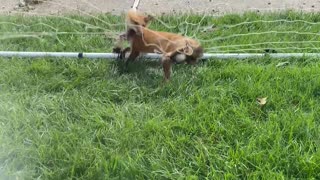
282	64
262	101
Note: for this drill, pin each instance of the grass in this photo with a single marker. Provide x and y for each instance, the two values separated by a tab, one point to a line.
86	119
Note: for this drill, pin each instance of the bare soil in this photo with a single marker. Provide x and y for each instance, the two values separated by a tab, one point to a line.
56	7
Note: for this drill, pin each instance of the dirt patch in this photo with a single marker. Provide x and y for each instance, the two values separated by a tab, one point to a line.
55	7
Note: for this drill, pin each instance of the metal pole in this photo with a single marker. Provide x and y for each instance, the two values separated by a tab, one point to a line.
148	55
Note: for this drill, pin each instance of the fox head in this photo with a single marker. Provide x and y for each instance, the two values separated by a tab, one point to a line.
136	20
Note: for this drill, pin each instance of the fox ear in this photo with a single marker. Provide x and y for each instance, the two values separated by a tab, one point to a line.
148	18
135	22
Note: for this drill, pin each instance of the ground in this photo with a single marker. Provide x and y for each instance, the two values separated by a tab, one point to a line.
164	6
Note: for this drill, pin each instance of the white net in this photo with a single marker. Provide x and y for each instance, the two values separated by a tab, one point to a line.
221	26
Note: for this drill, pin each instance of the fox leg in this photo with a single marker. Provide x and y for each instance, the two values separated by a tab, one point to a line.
133	55
166	65
123	52
167	61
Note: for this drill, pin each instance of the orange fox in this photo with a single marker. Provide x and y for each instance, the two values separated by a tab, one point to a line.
173	47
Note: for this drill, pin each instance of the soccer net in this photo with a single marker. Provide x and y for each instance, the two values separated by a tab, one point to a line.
93	26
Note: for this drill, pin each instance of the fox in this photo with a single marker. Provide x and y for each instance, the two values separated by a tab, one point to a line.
174	48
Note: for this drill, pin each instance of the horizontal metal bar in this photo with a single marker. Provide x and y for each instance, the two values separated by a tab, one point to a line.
148	55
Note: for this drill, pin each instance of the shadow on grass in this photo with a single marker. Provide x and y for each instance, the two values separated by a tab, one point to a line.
149	73
101	76
137	67
143	71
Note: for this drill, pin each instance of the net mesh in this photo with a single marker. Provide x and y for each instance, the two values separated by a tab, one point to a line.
260	30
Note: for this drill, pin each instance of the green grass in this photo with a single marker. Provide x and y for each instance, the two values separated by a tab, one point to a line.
86	119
